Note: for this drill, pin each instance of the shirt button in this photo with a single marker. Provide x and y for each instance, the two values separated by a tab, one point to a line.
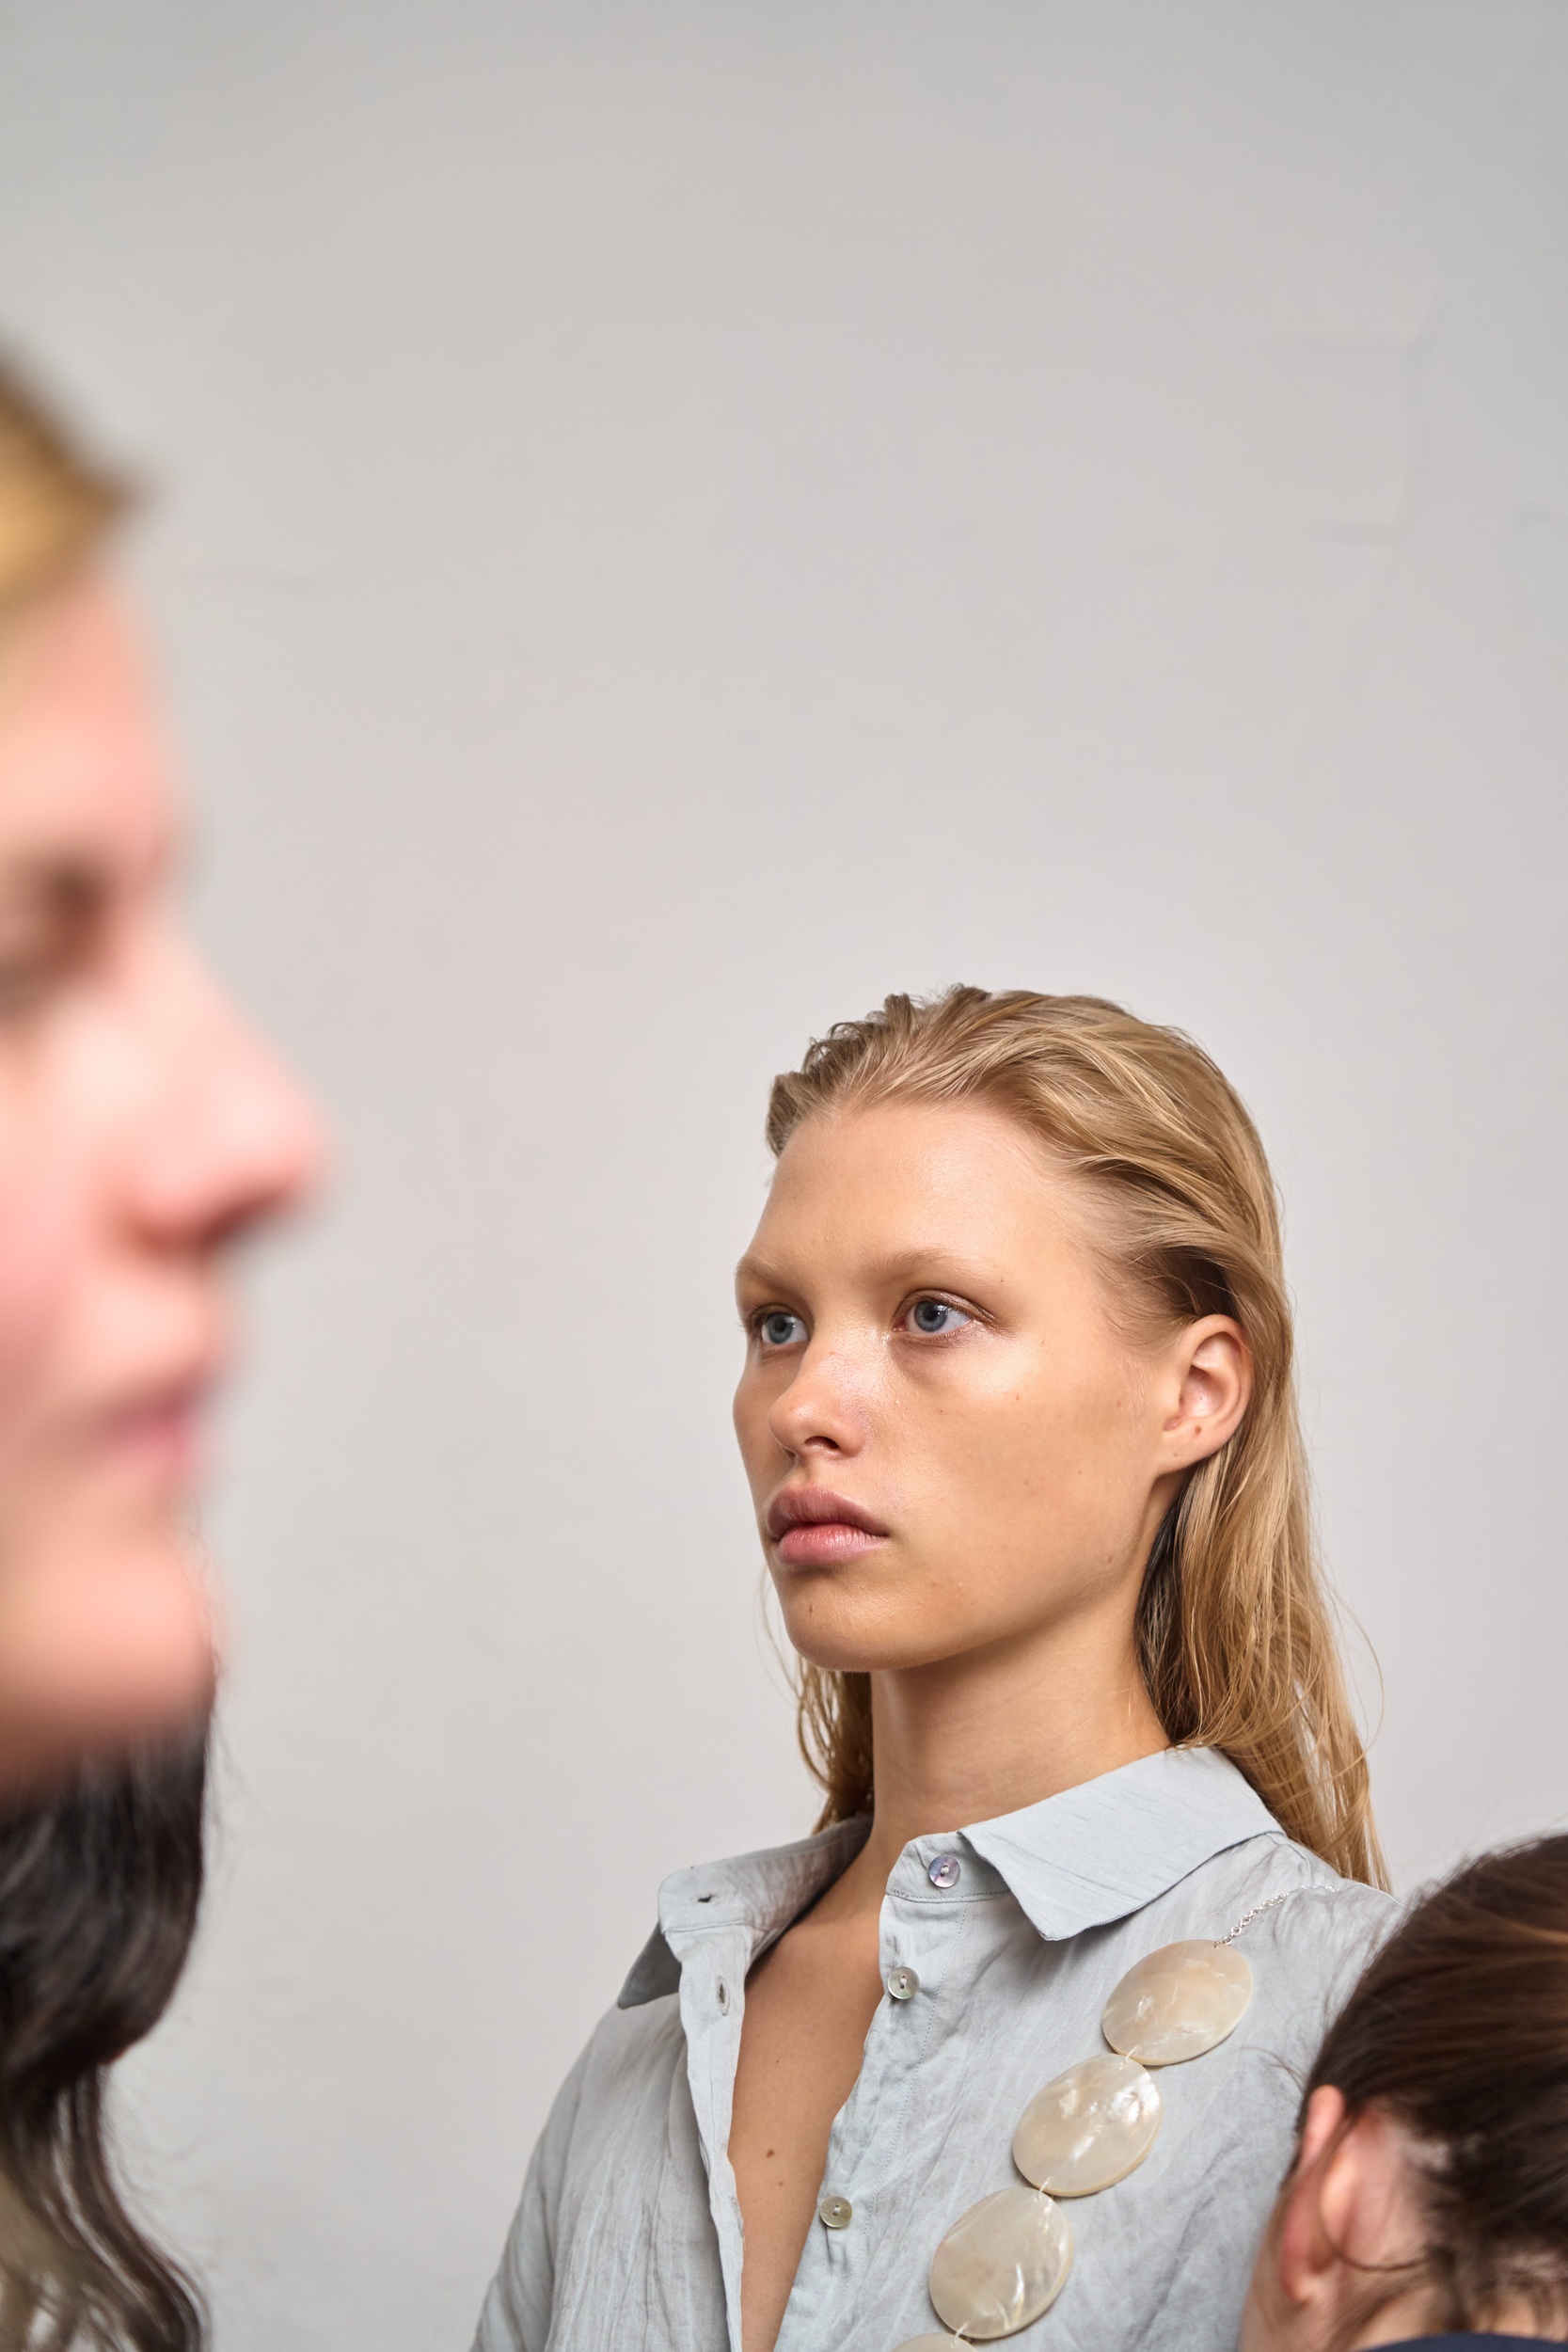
903	1983
836	2212
945	1871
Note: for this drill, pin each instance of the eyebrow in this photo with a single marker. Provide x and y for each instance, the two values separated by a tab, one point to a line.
897	1265
756	1270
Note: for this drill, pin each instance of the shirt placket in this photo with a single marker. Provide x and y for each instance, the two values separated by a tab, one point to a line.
714	1959
924	1923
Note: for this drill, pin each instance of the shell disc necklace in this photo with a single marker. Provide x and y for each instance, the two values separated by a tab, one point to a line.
1004	2262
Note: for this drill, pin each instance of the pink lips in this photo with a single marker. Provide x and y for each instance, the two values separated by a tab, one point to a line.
812	1528
159	1434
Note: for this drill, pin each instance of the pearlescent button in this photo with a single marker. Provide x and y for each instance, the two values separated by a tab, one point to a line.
836	2212
903	1983
945	1871
1178	2003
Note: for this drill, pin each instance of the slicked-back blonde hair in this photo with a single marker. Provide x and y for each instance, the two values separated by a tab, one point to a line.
1235	1633
55	504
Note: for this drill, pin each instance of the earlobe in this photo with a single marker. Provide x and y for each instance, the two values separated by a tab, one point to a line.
1298	2272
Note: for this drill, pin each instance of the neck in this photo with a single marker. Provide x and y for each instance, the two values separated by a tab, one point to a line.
968	1738
1413	2317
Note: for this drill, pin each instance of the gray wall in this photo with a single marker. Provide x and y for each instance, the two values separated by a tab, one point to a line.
678	521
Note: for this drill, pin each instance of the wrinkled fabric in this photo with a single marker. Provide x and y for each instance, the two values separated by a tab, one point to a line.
629	2236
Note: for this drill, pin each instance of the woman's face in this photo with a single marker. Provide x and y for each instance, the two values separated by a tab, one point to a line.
143	1128
950	1442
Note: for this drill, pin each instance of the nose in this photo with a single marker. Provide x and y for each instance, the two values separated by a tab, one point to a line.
825	1409
227	1137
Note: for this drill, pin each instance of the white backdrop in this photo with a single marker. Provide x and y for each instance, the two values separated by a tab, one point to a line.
676	520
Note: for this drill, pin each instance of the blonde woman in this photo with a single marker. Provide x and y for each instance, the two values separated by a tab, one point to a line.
143	1131
1019	1419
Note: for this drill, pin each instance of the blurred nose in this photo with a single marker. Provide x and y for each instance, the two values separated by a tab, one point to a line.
228	1139
824	1409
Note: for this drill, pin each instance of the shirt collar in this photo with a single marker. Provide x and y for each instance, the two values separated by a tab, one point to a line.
1079	1860
1101	1850
761	1893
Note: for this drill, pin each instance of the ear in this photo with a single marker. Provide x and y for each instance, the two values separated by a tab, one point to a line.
1350	2208
1211	1377
1305	2247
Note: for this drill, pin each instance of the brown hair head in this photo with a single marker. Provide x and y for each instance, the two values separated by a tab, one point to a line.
1458	2030
1234	1629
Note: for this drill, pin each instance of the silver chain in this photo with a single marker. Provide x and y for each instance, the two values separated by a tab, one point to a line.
1247	1917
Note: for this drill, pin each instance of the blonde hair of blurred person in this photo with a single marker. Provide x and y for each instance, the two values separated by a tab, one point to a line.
1019	1418
143	1130
1428	2198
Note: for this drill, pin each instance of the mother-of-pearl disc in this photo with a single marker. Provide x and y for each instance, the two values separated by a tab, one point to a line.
1000	2264
1181	2001
1089	2128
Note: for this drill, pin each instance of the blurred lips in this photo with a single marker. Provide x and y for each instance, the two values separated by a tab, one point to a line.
155	1430
813	1528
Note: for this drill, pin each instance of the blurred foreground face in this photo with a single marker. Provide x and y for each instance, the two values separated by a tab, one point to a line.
142	1130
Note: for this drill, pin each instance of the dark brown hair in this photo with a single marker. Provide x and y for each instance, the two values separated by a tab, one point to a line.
99	1889
1236	1633
1458	2030
100	1880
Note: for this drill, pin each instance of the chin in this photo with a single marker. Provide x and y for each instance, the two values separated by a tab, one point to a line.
845	1633
104	1646
829	1631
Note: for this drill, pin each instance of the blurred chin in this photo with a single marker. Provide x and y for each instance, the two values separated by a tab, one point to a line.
102	1648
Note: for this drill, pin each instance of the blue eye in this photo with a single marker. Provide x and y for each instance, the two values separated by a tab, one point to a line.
779	1329
934	1318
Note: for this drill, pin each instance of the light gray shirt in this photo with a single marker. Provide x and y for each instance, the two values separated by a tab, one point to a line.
629	2237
